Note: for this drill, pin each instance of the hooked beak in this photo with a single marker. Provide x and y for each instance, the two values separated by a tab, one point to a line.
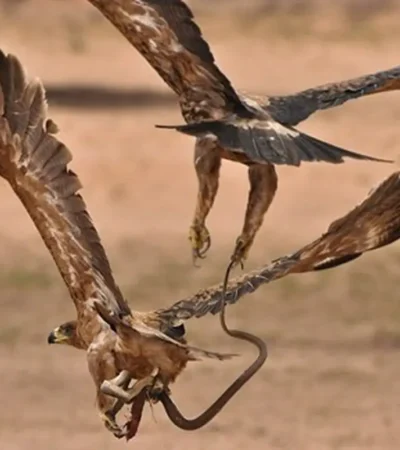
56	337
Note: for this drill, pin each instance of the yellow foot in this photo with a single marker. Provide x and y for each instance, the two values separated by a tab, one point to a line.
240	253
109	422
200	239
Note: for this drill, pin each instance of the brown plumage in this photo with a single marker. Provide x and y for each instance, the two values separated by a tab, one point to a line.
372	224
254	130
149	346
34	162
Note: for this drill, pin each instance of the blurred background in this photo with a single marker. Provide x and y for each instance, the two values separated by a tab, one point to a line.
331	381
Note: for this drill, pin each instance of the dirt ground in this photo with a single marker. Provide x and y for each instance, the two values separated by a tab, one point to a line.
331	381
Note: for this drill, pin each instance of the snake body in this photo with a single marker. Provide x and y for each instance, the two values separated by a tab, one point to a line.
172	410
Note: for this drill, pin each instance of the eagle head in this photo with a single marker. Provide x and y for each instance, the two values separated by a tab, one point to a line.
65	334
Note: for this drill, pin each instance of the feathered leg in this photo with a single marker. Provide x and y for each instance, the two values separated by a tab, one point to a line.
263	185
101	370
207	162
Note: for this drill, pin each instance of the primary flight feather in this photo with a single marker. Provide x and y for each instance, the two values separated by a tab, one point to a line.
34	163
254	130
146	345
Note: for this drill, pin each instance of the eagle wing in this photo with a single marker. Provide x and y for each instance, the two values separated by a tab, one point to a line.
167	37
372	224
293	109
34	162
165	33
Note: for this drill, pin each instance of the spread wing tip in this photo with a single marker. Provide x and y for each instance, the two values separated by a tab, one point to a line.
35	163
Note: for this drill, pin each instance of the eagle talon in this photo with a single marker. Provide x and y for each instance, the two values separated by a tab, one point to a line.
109	421
201	242
206	246
157	389
240	253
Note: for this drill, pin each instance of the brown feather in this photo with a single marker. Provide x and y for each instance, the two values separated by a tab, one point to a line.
246	129
167	37
371	225
293	109
34	162
48	189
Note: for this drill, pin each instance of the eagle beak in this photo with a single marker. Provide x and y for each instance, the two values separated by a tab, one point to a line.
56	337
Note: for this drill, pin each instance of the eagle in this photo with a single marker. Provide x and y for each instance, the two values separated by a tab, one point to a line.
256	131
149	347
34	162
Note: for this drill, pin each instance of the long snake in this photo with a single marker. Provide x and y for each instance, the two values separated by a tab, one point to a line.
170	407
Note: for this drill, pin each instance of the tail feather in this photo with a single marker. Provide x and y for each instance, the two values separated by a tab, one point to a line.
196	353
268	141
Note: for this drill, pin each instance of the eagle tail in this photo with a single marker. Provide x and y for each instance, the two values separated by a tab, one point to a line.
196	354
268	141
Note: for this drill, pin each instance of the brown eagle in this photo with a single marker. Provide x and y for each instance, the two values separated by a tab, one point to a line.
150	346
254	130
34	162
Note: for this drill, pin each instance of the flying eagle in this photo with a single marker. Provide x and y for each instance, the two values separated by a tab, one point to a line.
34	162
149	347
254	130
371	225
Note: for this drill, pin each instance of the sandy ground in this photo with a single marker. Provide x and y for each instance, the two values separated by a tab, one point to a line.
331	381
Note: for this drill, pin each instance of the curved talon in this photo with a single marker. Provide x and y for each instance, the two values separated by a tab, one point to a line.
201	242
206	246
200	253
195	257
154	393
120	433
112	425
234	263
239	255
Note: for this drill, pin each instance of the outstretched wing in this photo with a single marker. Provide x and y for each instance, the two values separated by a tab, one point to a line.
293	109
167	37
372	224
34	162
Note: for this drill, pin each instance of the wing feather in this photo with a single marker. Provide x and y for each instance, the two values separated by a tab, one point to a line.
293	109
34	163
372	224
166	35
